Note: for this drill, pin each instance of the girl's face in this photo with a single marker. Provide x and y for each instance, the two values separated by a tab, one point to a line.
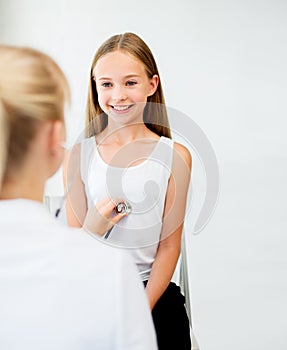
123	86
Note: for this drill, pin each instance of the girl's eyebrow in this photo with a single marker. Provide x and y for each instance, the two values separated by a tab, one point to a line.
132	76
102	78
125	77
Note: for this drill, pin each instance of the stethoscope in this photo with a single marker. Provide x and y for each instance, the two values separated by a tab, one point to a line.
120	208
61	206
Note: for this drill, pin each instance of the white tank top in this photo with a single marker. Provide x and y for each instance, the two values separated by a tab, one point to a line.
143	186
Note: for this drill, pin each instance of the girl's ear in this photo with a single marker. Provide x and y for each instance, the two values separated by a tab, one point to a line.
94	84
153	84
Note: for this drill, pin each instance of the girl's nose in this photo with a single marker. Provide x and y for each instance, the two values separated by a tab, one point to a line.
119	93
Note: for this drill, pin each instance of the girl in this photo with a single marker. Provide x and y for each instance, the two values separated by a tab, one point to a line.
60	288
129	148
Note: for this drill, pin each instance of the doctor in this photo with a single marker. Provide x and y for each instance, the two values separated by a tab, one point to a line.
60	288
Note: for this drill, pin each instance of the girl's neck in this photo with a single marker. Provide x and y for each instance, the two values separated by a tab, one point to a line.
125	134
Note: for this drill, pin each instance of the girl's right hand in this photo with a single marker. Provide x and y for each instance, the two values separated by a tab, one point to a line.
102	217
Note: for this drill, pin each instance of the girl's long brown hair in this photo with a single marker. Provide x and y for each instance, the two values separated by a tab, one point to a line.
155	113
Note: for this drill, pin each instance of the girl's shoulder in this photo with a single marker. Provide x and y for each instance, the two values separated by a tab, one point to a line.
183	152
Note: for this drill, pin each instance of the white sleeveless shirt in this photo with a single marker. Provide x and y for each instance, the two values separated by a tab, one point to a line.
143	186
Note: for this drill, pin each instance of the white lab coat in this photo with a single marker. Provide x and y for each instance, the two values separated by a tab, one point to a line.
62	288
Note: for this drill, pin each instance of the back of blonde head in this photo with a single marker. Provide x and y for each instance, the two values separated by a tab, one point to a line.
33	89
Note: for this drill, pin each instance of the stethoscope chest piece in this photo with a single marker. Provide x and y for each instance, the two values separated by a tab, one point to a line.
123	207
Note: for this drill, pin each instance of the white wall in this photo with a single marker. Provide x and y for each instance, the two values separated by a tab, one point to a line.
224	64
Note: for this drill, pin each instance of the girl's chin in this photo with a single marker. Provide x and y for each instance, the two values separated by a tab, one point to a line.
122	120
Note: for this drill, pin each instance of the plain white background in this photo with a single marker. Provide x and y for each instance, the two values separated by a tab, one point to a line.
223	63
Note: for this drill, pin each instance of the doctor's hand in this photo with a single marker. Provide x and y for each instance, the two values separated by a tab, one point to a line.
103	217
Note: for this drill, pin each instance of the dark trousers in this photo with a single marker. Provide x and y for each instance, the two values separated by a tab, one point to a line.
171	320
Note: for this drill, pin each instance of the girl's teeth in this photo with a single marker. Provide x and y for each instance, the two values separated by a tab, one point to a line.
121	108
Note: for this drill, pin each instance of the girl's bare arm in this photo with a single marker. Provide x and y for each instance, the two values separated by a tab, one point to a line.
173	219
76	203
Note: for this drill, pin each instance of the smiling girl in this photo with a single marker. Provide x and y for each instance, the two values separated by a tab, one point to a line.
129	154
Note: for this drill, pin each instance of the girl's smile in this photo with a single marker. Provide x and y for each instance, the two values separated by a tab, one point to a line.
121	108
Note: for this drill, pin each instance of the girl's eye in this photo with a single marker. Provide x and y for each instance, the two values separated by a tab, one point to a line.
106	84
131	83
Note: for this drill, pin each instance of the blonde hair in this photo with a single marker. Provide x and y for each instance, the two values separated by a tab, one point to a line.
155	114
33	89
